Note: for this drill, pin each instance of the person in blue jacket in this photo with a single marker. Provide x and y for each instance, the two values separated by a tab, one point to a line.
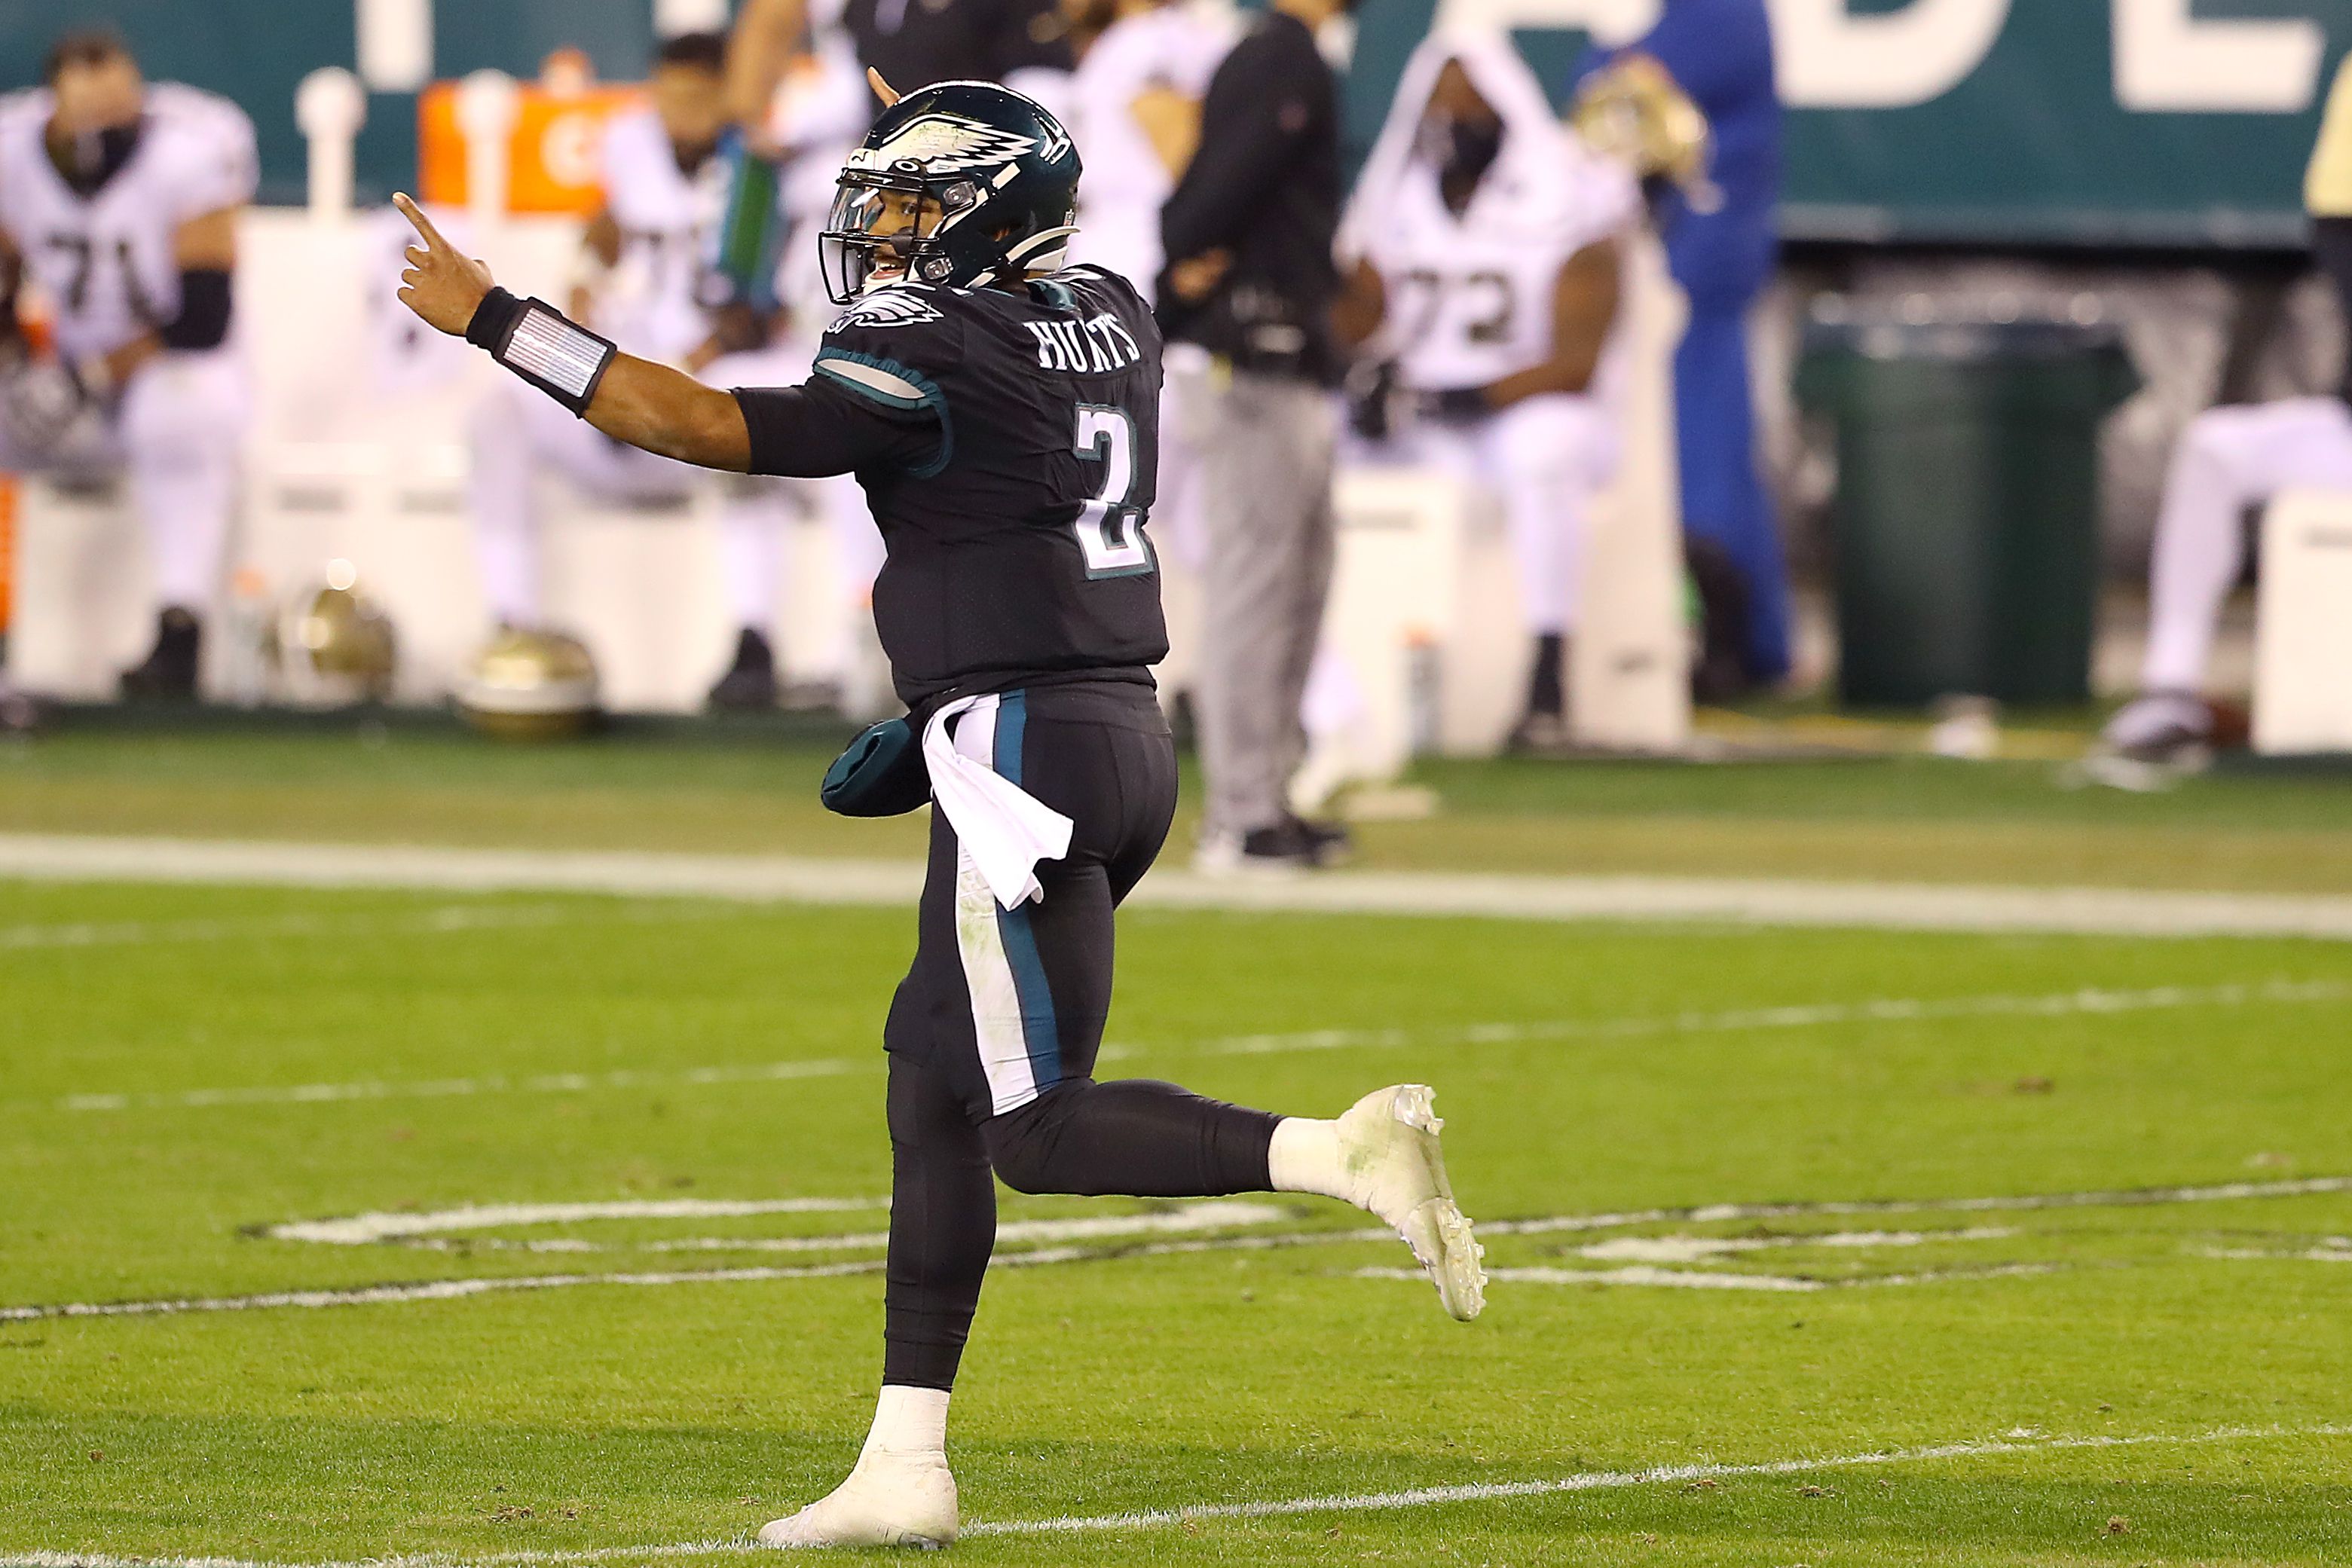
1722	253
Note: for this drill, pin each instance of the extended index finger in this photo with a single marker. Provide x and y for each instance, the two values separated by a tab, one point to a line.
422	224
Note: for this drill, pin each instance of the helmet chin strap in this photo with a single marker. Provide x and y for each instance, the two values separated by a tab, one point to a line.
1041	252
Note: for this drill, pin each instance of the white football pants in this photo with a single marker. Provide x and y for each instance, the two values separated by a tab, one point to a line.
2228	459
178	431
1544	458
519	430
1177	530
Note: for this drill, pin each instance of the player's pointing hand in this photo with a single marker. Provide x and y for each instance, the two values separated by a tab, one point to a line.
441	286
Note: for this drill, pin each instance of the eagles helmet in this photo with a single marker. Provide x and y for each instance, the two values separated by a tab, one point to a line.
958	183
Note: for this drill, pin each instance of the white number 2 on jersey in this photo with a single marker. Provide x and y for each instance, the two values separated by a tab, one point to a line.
1110	531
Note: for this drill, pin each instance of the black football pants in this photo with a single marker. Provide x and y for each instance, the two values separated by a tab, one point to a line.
993	1033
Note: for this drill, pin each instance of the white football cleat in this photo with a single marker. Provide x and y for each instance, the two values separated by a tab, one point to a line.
1388	1148
889	1499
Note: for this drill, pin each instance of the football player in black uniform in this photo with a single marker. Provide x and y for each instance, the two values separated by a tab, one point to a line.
999	411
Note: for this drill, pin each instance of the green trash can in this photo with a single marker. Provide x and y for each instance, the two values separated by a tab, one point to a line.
1965	525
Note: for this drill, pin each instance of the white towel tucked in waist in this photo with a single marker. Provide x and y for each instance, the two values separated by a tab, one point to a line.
1004	829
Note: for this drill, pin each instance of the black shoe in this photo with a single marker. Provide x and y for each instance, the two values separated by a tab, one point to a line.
1289	845
1331	843
168	673
1538	735
812	696
1184	719
20	715
750	684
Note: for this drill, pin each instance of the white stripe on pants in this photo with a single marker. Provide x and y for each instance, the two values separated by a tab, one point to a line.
998	1020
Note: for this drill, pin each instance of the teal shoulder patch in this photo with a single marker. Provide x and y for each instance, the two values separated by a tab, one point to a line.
894	386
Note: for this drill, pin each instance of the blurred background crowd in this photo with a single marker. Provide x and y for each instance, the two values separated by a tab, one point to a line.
1540	370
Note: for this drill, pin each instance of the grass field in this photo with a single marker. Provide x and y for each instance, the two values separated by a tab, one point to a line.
1811	1247
728	790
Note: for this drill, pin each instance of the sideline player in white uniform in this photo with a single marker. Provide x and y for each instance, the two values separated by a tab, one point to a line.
120	200
2230	459
819	113
1134	110
642	268
1486	269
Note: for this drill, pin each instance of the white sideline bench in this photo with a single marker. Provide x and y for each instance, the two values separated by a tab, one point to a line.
2303	630
357	453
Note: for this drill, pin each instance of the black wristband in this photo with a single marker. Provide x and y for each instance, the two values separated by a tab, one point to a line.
494	319
543	346
1456	405
205	301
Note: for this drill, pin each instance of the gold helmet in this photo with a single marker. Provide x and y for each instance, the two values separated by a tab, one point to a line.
530	686
335	644
1636	112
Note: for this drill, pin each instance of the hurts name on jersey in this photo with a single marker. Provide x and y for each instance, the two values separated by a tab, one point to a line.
1096	344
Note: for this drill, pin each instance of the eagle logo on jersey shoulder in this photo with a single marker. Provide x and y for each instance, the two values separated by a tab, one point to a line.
945	144
889	307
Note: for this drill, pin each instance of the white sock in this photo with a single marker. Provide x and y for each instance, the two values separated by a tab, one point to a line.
184	451
1304	1157
752	552
499	487
908	1420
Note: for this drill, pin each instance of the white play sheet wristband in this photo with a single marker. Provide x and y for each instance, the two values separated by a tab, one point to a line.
546	345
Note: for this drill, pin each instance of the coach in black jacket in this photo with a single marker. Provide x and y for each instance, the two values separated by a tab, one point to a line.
1250	278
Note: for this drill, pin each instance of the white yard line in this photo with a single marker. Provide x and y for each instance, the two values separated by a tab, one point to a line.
1694	1280
807	879
1203	1215
365	1229
2131	1197
489	1083
1598	1480
2086	1001
1704	1249
451	1290
426	1291
1638	1274
58	857
449	918
361	1230
1274	1507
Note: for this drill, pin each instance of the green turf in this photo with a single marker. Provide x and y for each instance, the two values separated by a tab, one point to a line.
155	1122
734	789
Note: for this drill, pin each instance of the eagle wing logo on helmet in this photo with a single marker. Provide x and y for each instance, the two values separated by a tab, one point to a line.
945	144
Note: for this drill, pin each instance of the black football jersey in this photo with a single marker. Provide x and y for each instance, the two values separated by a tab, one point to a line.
1017	547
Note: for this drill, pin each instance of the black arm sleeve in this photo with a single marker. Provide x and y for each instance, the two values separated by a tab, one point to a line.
12	277
2331	243
811	430
202	320
1245	122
